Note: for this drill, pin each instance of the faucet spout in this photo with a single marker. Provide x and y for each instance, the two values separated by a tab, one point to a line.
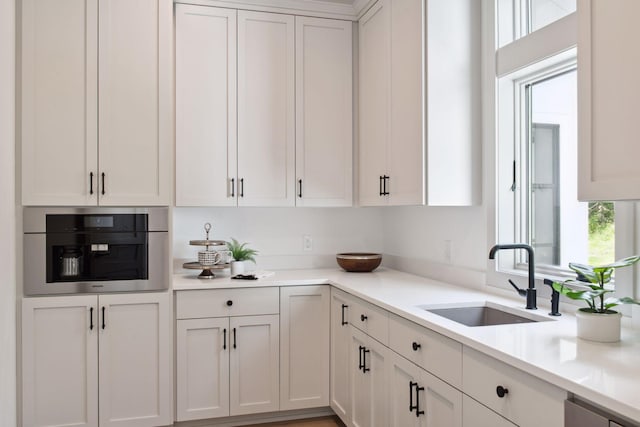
530	292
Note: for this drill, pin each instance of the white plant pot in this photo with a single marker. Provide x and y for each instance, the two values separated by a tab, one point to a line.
237	267
599	327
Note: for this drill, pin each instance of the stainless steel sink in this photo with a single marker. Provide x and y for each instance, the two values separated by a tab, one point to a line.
483	315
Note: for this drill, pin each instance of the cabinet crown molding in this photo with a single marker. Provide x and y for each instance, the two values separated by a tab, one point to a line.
318	8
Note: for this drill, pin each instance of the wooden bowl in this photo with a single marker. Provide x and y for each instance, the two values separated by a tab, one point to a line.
361	262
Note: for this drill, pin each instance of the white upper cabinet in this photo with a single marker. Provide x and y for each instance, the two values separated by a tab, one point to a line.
324	124
608	92
419	103
59	102
206	147
375	71
96	102
266	109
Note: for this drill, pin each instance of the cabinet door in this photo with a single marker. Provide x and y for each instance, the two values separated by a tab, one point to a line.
304	347
375	69
254	364
266	109
135	360
59	102
441	403
324	131
135	102
206	164
202	368
340	396
475	414
404	378
608	92
60	361
406	154
369	381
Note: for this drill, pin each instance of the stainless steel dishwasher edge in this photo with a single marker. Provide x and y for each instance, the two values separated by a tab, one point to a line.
581	414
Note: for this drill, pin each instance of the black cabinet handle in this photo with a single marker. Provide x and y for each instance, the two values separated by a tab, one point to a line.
300	189
91	183
418	411
501	391
234	337
360	348
91	319
364	359
103	322
233	189
415	346
411	406
103	179
241	187
385	178
229	303
363	317
343	321
224	339
380	186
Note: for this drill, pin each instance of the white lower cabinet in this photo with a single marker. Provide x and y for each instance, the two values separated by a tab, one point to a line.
475	414
68	343
304	347
340	395
254	364
418	398
369	381
519	397
227	366
202	370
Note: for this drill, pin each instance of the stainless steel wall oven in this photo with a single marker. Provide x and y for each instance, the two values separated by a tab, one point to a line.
95	250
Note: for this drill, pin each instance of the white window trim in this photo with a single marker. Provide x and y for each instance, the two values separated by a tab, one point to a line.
553	44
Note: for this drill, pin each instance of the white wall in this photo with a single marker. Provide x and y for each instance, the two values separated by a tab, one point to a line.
446	243
7	217
277	233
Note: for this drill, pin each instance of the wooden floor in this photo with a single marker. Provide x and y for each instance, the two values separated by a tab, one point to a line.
315	422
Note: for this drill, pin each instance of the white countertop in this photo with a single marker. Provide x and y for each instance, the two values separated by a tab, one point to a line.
606	374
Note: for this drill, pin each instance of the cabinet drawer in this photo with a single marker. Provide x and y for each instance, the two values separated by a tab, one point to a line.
529	401
227	302
370	319
436	353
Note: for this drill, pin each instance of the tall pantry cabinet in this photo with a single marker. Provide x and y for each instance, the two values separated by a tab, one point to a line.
96	102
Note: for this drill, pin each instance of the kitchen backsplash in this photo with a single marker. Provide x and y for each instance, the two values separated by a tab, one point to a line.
278	233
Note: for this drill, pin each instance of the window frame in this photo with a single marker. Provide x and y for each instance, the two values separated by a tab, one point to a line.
548	48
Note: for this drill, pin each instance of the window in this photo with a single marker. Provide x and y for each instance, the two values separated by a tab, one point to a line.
536	150
547	213
517	18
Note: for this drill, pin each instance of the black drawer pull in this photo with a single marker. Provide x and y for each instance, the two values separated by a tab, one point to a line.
415	346
364	360
363	317
229	303
233	190
104	324
360	365
91	183
224	339
501	391
343	321
91	319
418	411
411	405
234	337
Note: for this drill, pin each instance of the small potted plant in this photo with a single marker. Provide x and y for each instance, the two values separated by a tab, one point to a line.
597	322
240	254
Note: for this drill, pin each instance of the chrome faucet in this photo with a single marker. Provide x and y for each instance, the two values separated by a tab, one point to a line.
530	292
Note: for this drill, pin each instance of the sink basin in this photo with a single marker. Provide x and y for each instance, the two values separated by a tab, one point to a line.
484	314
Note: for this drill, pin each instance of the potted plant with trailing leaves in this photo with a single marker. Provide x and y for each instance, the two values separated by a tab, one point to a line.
598	321
241	254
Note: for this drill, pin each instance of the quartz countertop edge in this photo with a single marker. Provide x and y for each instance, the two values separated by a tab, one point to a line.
606	374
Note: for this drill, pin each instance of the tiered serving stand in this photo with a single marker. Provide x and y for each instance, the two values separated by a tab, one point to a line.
207	270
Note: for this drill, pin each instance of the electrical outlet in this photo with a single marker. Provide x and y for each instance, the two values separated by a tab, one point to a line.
307	243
